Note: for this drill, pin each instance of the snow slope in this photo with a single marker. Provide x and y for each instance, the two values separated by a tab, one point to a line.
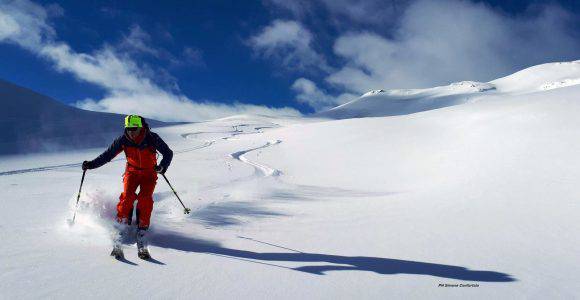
397	102
32	122
482	194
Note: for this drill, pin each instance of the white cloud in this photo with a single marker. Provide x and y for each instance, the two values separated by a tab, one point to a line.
308	92
138	41
175	108
8	27
343	12
130	87
289	43
24	23
443	41
375	12
423	43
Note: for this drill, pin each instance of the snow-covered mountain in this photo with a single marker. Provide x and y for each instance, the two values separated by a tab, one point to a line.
475	200
381	103
32	122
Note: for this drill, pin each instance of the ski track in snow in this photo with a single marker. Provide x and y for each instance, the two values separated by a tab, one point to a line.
237	131
261	170
207	143
193	134
41	169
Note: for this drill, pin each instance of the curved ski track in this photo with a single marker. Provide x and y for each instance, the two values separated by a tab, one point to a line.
260	170
207	143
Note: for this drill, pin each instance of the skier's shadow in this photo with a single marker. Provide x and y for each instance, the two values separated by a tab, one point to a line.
153	260
124	260
329	262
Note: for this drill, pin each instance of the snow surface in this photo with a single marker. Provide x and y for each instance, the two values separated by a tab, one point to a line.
482	193
380	103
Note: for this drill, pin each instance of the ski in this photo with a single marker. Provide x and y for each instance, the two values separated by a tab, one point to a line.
117	253
143	253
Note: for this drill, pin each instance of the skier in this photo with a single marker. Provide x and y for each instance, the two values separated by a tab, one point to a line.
140	146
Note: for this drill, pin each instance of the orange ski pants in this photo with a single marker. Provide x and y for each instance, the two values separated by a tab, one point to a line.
146	181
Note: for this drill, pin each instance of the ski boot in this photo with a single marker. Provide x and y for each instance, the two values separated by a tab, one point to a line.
142	250
119	234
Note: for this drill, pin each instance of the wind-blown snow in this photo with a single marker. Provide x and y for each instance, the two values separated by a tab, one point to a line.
482	192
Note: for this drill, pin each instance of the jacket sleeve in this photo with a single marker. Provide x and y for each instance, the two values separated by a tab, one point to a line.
115	148
162	147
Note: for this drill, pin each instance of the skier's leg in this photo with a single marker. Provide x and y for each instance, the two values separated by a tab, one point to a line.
145	199
128	197
144	208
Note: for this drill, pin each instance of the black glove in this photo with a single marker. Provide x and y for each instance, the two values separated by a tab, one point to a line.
87	165
160	169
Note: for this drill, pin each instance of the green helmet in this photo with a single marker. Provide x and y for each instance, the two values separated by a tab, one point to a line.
133	121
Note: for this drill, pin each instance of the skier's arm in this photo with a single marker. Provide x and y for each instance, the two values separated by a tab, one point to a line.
167	153
115	148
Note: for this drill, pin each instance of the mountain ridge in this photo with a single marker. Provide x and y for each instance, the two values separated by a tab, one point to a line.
381	103
32	122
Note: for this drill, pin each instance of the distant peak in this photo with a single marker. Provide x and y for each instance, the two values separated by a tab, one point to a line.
373	92
473	86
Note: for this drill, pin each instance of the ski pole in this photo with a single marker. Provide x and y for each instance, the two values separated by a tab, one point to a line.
78	197
185	209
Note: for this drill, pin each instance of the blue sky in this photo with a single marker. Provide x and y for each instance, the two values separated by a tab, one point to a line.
204	59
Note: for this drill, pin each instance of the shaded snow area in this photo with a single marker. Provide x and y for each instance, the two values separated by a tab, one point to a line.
33	123
480	196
